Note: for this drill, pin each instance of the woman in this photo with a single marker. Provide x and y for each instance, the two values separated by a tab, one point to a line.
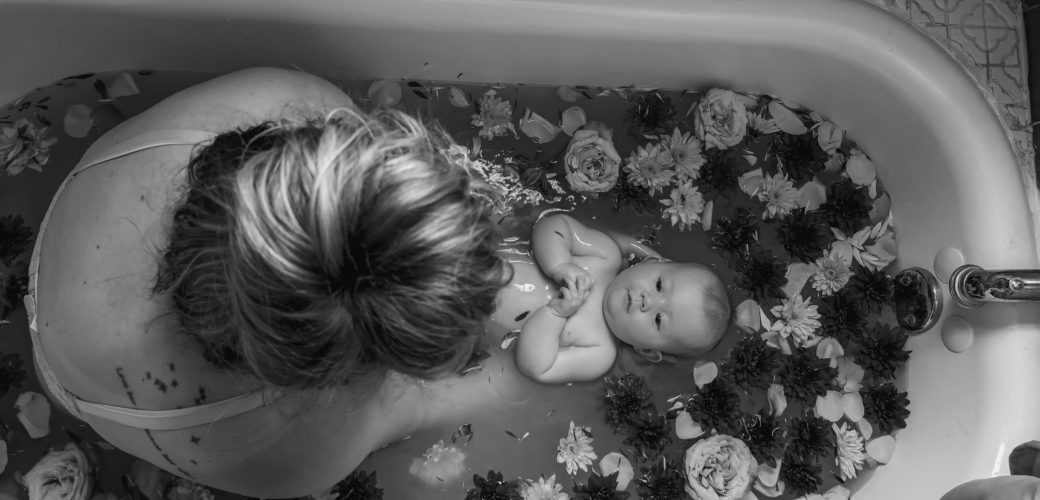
257	310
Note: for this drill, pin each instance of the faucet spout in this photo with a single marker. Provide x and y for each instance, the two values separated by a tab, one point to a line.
972	286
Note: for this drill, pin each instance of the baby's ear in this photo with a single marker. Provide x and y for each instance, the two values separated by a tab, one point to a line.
651	355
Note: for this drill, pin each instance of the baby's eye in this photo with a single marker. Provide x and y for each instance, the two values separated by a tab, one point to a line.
658	284
657	320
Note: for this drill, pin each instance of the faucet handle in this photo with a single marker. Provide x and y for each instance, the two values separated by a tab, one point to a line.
918	299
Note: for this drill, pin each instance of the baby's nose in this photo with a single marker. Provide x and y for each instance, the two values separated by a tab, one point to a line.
646	302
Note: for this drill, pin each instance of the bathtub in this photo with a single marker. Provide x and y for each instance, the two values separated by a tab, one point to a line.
936	140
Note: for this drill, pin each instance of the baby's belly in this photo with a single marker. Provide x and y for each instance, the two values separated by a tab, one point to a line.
528	290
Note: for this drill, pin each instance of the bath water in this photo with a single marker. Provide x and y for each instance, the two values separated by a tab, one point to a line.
520	427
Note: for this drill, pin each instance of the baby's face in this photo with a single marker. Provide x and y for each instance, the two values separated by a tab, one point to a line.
658	305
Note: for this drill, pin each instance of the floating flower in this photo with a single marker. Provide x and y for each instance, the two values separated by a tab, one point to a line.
625	396
860	169
439	463
22	146
751	363
801	477
575	450
494	116
832	273
719	467
63	474
684	206
493	488
762	275
545	488
600	488
850	454
34	412
874	287
537	127
720	119
663	480
809	438
357	484
850	375
886	407
873	246
763	435
736	234
829	137
386	93
650	166
12	374
719	175
747	316
715	406
842	317
803	235
183	489
591	162
779	195
616	462
685	150
759	125
881	351
799	156
649	434
847	207
799	320
805	376
651	114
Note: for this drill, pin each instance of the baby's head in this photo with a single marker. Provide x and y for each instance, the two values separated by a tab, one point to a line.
667	307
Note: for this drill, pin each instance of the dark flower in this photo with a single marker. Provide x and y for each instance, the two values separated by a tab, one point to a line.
13	286
715	406
650	114
720	172
735	235
11	373
751	363
847	207
493	488
664	480
358	486
800	156
764	435
15	238
600	488
805	375
810	438
624	396
625	193
841	317
880	351
803	235
762	275
801	477
649	434
885	407
873	287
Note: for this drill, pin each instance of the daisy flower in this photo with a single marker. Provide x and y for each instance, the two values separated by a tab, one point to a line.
833	273
685	205
650	166
779	194
685	150
495	117
439	463
543	489
850	455
575	450
799	320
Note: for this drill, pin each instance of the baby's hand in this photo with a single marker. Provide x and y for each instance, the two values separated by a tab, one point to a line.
568	301
574	277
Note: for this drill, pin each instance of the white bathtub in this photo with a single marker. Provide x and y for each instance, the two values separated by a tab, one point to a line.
935	139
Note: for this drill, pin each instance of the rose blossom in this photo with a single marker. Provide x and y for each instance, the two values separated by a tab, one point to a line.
720	119
60	475
719	468
591	161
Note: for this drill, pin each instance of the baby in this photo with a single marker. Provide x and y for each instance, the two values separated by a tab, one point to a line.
568	330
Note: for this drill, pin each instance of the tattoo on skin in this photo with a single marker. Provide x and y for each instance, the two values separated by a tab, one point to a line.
126	385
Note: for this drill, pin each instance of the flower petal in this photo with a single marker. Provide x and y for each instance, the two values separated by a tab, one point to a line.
829	136
384	92
830	348
568	94
852	406
797	275
34	412
615	462
829	406
838	492
458	98
704	372
571	119
769	476
777	399
751	182
881	208
748	317
786	119
860	169
122	85
686	428
865	428
811	195
770	492
3	455
882	448
538	128
709	209
78	120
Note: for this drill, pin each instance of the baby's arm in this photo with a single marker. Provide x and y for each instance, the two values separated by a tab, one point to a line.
558	238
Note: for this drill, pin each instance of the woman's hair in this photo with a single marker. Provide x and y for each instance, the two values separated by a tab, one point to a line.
320	252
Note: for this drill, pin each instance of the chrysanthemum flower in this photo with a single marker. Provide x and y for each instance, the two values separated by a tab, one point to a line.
686	152
684	206
799	320
832	274
779	195
495	116
850	454
545	488
650	166
575	450
439	463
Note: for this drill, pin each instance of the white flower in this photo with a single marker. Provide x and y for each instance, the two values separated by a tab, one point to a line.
63	474
832	274
720	119
850	455
799	320
686	153
575	450
439	464
761	124
650	166
874	247
543	489
779	194
495	117
685	205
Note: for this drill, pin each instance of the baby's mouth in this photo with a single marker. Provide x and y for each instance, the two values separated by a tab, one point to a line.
628	301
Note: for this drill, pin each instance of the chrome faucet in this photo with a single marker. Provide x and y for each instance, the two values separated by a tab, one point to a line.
973	286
